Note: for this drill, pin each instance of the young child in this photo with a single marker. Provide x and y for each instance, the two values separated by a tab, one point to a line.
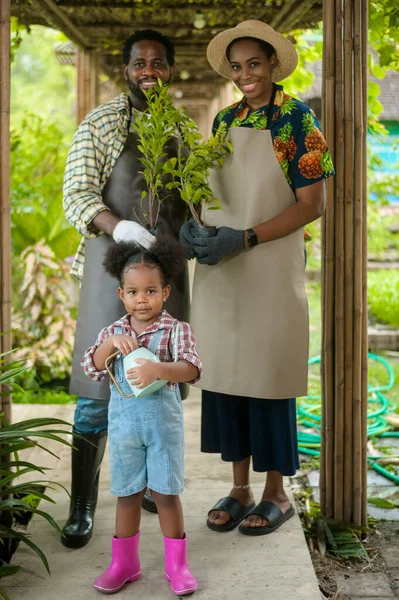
146	440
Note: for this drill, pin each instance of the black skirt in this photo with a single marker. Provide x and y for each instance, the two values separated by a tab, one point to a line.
238	427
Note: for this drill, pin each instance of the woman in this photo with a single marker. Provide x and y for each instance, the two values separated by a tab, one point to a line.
249	307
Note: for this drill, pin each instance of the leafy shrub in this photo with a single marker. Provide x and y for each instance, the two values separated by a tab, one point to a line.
44	325
42	396
383	296
38	155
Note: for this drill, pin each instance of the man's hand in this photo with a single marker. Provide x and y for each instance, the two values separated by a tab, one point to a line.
142	376
130	231
209	251
124	343
186	236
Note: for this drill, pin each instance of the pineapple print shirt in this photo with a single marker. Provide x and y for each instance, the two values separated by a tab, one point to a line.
300	147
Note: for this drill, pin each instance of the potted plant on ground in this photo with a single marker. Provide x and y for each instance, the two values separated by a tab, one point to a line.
20	497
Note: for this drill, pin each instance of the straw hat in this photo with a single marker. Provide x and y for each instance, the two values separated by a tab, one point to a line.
286	54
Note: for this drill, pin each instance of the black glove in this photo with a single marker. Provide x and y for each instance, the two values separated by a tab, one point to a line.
210	250
186	236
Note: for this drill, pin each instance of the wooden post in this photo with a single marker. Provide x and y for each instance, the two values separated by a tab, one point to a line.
343	477
87	83
5	221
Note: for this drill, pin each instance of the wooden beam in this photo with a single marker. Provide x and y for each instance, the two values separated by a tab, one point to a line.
283	12
297	13
121	4
60	20
5	219
87	83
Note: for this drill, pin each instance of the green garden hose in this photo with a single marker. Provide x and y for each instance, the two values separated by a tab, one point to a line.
309	415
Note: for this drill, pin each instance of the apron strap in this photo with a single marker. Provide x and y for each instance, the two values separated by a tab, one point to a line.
155	341
270	107
176	344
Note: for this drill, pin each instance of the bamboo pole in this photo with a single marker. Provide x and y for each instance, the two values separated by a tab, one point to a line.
5	222
327	368
358	448
348	262
344	351
339	374
363	8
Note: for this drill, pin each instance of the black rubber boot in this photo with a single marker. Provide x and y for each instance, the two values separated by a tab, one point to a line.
86	463
148	502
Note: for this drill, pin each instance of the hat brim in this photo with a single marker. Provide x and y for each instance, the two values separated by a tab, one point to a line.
287	56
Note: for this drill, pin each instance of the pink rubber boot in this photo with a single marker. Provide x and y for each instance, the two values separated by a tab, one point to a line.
176	568
124	567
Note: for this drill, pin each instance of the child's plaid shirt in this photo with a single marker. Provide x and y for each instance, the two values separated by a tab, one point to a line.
186	349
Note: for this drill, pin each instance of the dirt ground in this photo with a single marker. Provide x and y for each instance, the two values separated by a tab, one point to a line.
380	563
328	567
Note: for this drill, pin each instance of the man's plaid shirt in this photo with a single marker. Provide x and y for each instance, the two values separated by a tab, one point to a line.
186	349
96	146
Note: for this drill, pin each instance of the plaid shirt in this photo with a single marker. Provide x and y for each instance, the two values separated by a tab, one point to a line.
96	146
185	348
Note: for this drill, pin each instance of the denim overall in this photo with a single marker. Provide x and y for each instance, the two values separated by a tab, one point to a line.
146	436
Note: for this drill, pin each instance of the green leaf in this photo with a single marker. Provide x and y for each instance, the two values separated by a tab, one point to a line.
3	594
65	243
7	570
196	199
381	503
23	538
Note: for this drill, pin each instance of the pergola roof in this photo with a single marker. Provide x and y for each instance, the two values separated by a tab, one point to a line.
103	25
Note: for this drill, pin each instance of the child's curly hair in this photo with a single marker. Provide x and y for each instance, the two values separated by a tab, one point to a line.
166	254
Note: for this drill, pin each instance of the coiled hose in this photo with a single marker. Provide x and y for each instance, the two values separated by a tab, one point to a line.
309	415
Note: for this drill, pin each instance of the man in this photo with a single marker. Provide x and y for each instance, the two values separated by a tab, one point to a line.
102	195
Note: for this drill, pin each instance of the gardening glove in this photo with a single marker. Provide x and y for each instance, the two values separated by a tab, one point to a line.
186	236
210	250
130	231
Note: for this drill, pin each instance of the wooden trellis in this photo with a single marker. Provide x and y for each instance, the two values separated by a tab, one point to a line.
344	365
5	224
344	370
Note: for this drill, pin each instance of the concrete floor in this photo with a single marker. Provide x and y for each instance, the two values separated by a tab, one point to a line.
228	566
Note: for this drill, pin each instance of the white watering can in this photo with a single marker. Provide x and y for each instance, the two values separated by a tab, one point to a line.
130	361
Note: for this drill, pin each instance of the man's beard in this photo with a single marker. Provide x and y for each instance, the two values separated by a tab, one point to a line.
136	91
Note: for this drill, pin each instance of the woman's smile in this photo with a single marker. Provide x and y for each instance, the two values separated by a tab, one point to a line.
248	87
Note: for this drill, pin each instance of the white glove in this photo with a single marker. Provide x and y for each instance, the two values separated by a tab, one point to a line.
130	231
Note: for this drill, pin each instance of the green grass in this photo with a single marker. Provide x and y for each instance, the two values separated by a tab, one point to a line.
43	396
383	296
377	373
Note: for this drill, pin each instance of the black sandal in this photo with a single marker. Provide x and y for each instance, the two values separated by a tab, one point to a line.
272	513
232	507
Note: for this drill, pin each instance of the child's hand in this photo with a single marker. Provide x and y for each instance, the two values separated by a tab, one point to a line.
142	376
124	343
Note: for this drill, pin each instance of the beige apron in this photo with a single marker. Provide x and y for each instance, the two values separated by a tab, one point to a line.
249	313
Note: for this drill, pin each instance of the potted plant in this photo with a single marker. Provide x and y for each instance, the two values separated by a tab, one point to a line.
154	129
20	497
188	172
